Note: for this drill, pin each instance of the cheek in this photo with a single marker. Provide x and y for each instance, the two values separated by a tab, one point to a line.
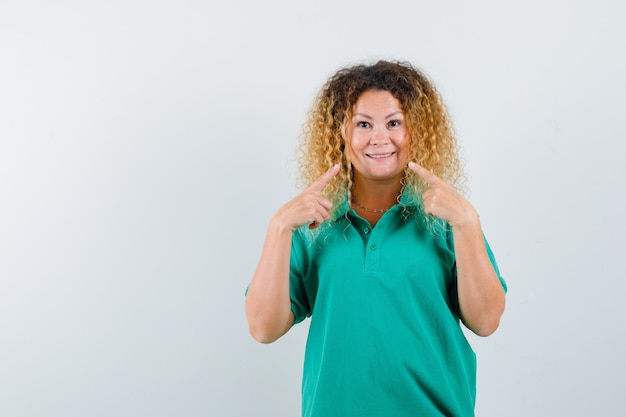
403	144
357	143
349	149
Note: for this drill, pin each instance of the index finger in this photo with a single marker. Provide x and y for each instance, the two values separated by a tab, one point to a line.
430	178
321	182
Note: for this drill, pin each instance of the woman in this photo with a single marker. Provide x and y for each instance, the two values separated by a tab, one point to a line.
382	252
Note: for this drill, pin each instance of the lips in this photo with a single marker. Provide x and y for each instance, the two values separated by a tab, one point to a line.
380	155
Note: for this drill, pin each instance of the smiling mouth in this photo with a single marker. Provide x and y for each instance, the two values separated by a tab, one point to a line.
380	155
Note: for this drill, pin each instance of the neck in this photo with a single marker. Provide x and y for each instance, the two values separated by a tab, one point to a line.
376	196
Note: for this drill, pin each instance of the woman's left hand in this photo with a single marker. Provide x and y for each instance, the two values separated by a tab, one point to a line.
481	296
442	200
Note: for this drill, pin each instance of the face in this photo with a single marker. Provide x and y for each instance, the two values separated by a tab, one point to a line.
378	138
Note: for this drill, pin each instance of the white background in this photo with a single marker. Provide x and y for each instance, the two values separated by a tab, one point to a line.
144	145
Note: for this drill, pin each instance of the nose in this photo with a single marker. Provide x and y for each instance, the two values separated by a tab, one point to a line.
379	136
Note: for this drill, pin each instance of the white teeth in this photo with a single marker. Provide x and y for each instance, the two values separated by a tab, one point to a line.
381	155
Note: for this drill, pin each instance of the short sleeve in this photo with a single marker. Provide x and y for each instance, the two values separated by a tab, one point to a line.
492	258
300	305
453	290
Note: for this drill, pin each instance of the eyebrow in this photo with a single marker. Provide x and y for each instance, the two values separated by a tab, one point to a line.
366	116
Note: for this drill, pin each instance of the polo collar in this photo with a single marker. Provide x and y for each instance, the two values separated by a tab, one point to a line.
345	205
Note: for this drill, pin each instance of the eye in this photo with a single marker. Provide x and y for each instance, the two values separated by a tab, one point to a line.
363	124
394	123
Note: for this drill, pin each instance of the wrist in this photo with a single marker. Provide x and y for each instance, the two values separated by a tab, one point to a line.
278	225
469	219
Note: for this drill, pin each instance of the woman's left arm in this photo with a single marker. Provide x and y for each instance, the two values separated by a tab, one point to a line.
481	295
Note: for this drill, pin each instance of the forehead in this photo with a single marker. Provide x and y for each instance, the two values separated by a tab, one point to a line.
372	100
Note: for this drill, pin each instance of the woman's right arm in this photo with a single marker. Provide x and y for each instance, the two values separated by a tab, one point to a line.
268	304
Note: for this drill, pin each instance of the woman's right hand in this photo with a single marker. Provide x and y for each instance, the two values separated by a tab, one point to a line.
268	304
309	207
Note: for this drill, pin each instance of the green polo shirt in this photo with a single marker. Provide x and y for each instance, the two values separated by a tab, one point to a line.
384	337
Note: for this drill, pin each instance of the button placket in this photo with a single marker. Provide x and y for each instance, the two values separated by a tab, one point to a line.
372	252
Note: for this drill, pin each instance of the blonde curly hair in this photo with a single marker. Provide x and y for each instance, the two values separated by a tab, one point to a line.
432	141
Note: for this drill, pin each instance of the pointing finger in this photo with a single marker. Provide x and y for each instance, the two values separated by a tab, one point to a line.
430	178
322	181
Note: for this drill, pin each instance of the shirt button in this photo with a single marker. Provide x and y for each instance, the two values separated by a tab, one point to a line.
366	230
373	247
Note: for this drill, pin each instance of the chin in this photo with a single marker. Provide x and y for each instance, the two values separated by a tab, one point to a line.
387	174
